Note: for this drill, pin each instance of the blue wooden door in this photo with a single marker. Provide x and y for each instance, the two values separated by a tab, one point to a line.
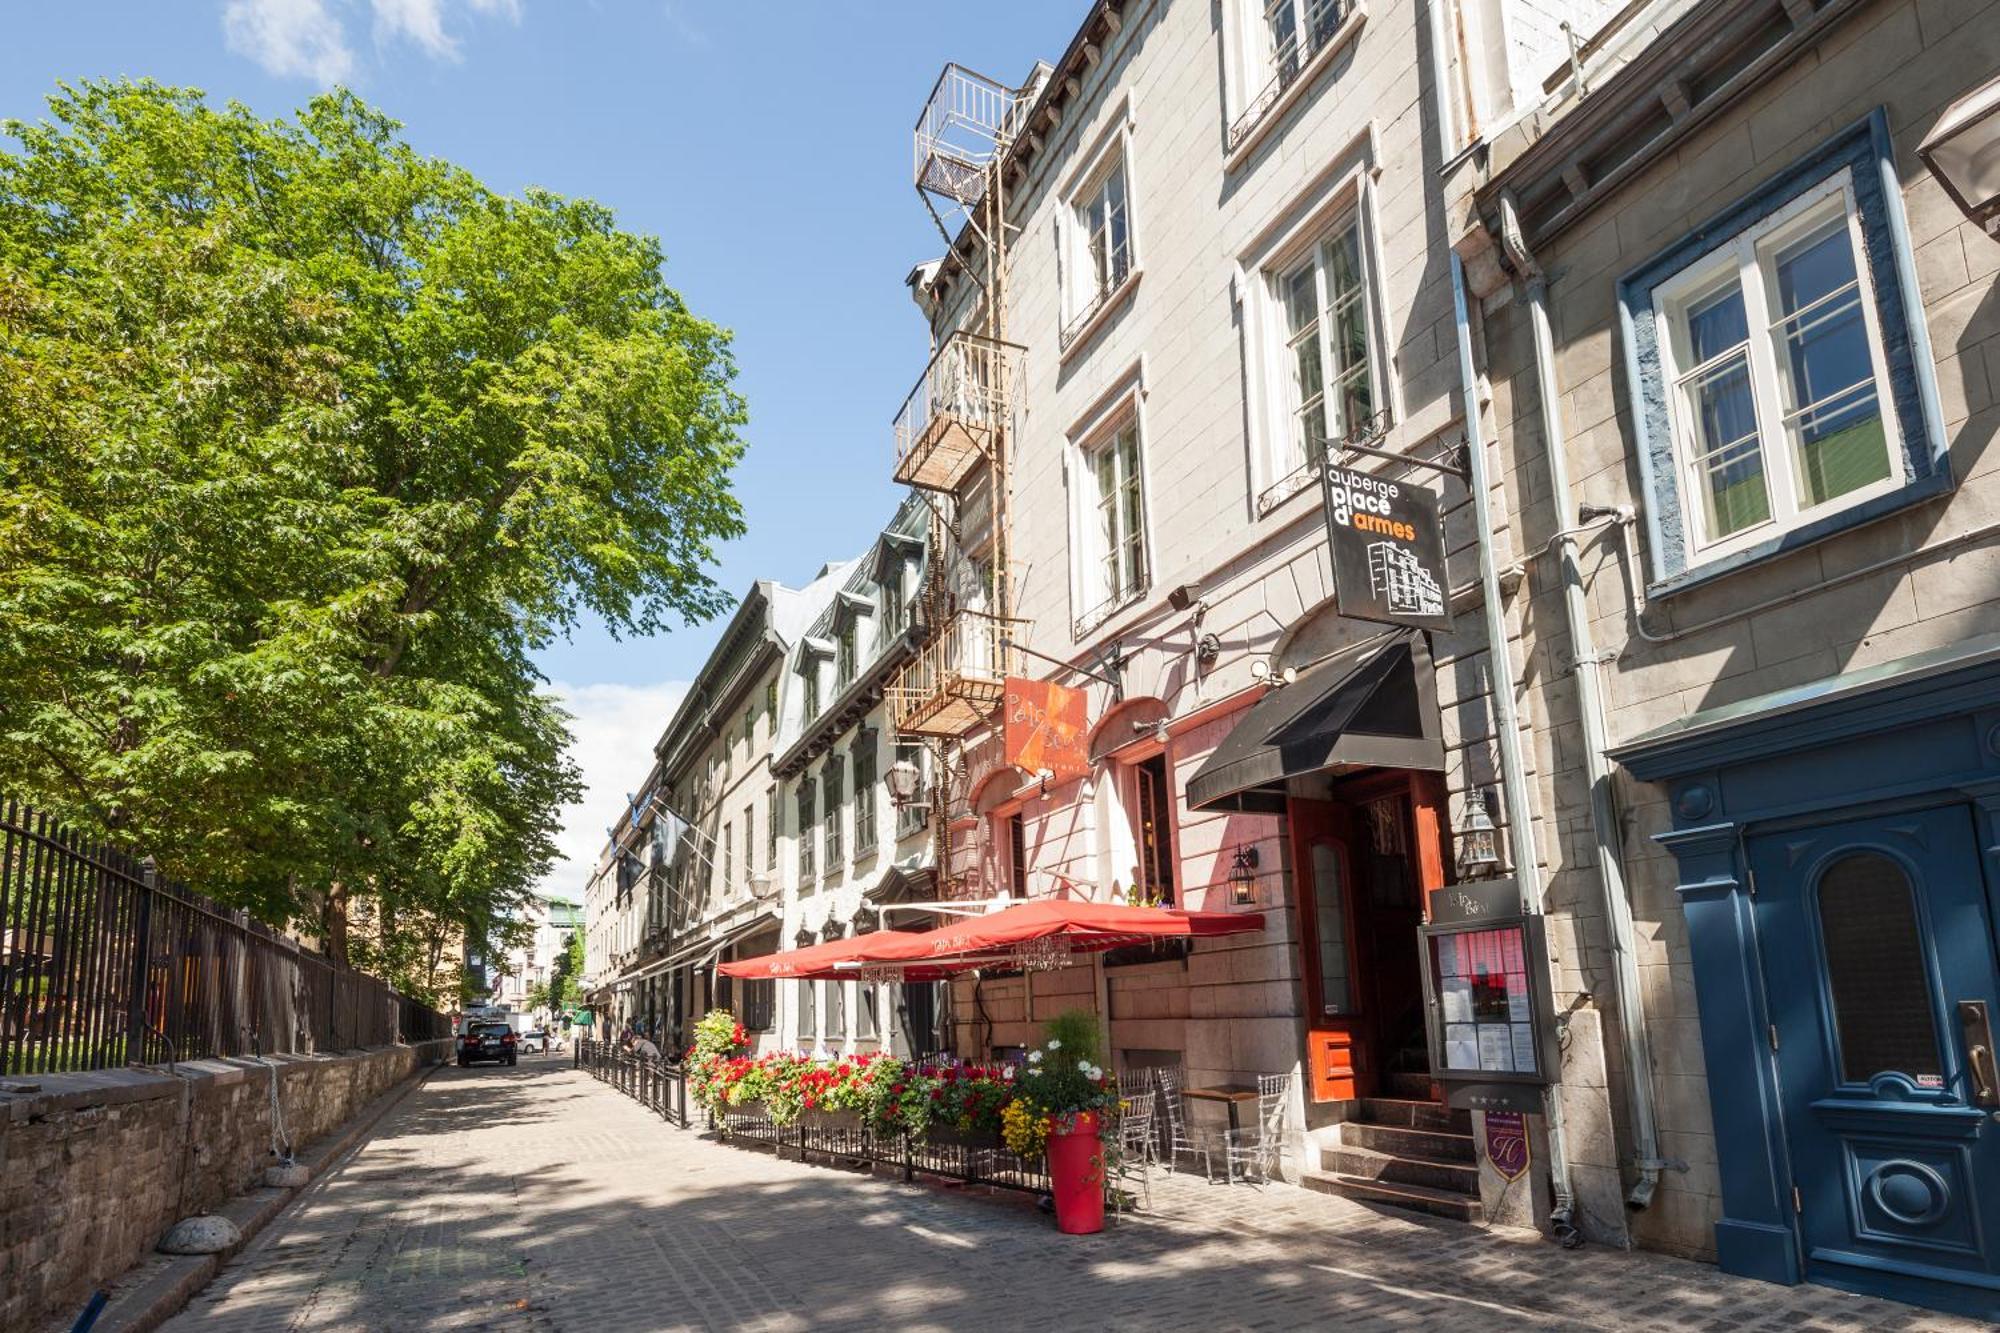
1879	968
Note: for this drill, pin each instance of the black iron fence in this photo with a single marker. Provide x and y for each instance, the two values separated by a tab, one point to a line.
972	1159
102	964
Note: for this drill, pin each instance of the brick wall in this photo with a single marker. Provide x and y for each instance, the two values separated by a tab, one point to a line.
95	1167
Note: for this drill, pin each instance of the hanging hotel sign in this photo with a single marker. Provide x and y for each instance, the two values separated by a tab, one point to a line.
1507	1143
1388	549
1046	728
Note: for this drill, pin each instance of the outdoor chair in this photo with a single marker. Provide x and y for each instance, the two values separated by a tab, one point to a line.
1136	1138
1180	1140
1257	1147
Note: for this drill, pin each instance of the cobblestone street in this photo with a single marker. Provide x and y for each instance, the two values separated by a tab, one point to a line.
538	1198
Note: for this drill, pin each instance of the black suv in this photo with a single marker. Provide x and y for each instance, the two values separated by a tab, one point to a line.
487	1041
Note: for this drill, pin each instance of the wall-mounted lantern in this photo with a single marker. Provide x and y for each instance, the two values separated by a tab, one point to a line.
1243	877
1963	152
905	782
1478	840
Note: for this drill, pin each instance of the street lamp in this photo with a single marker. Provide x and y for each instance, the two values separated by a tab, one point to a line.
1478	842
1963	152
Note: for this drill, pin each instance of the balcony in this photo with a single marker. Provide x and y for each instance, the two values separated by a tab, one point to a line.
948	422
958	678
963	127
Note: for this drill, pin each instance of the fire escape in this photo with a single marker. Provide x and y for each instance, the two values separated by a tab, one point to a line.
953	443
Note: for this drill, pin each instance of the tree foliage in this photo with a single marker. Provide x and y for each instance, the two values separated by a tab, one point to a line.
566	977
307	441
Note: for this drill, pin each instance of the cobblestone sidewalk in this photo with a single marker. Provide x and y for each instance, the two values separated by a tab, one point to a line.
536	1198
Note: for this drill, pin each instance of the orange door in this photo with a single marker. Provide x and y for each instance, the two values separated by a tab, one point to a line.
1338	1058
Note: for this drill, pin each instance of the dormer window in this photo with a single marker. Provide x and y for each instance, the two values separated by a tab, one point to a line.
847	634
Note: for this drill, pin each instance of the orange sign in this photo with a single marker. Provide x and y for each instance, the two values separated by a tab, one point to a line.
1046	726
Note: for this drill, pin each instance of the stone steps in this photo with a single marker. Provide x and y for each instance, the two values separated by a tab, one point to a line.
1400	1141
1421	1198
1389	1169
1412	1114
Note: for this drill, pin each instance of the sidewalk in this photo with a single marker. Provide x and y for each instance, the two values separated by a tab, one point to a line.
537	1198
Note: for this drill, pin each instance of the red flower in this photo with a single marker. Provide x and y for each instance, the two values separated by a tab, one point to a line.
897	1089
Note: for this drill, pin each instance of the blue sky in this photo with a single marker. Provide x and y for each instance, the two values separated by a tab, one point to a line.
768	145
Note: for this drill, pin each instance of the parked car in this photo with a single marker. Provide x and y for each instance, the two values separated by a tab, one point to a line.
535	1039
488	1041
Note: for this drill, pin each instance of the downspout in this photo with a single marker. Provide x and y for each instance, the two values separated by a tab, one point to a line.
1513	771
1588	668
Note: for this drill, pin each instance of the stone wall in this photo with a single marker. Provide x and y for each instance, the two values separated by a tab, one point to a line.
95	1167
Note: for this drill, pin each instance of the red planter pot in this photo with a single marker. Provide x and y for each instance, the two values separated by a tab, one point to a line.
1076	1175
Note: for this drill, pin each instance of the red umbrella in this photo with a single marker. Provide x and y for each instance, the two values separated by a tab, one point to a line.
1083	927
812	962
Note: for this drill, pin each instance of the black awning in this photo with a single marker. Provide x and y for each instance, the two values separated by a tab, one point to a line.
1379	712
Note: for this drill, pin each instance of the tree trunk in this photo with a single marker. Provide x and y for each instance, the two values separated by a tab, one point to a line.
333	924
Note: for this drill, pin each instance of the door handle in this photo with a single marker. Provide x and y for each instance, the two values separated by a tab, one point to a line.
1978	1033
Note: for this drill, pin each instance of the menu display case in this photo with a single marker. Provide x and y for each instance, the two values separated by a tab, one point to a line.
1486	995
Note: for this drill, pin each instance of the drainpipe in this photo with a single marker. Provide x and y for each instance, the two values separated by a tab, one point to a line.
1513	772
1588	667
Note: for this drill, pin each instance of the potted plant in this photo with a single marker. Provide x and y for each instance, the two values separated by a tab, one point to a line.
1057	1107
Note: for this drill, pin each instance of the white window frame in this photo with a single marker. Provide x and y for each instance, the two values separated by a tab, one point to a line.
1080	297
1277	473
1744	259
1091	603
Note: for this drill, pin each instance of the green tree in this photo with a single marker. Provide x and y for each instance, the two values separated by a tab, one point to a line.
565	978
307	442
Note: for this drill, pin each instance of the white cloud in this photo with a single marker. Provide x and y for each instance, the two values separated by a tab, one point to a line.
612	731
289	38
308	38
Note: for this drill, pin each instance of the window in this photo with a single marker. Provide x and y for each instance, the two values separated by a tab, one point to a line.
760	1002
1779	369
1777	381
892	602
1330	924
1155	879
770	829
749	726
1114	546
771	702
807	821
808	1010
1017	855
749	840
728	857
1101	256
864	793
1329	357
1292	33
1875	971
836	1011
810	670
865	1019
844	646
830	781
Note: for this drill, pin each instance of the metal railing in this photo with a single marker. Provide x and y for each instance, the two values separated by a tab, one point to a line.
1292	57
958	676
661	1087
963	126
103	965
959	402
657	1084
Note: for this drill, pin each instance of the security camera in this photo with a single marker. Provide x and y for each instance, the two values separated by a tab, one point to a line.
1185	596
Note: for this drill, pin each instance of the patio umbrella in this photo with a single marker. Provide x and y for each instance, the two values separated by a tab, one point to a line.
1043	927
812	962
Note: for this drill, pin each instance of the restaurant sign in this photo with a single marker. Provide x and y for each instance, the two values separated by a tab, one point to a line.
1388	549
1046	728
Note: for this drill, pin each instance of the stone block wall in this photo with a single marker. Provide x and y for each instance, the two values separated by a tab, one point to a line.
95	1167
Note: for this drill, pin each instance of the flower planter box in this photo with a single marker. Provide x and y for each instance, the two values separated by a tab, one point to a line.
826	1121
951	1136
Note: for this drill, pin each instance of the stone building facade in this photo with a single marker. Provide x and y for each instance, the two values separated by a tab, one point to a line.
1766	360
